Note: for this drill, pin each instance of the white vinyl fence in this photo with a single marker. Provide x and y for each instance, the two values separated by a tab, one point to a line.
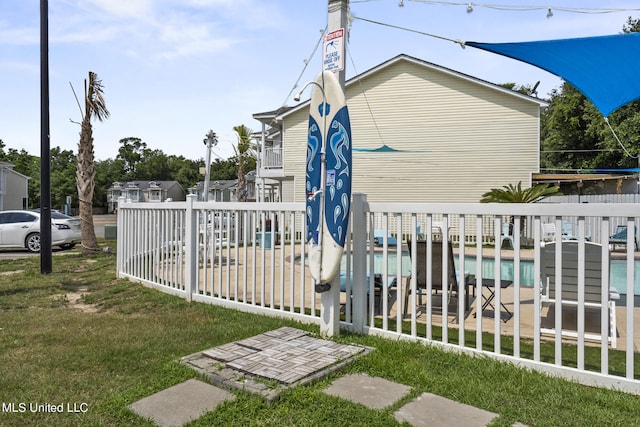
251	257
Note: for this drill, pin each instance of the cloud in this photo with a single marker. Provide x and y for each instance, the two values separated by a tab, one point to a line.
18	36
26	67
149	30
124	8
160	30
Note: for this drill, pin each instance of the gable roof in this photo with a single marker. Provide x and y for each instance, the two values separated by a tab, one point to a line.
143	185
282	112
8	167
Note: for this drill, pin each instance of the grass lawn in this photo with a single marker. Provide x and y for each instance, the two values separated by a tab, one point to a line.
121	342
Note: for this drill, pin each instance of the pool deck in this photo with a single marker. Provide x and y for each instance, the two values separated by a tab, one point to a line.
293	296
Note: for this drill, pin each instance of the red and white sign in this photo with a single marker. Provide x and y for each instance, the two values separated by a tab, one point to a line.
333	51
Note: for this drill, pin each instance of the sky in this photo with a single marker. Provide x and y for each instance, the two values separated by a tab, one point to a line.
174	69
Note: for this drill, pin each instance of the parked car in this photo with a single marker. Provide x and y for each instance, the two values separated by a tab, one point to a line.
21	229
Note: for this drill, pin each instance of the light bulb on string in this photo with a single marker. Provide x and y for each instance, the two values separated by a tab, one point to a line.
469	8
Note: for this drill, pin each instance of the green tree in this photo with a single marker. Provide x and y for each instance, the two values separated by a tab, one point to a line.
186	172
575	136
570	131
153	165
94	108
131	152
223	169
525	89
631	26
63	177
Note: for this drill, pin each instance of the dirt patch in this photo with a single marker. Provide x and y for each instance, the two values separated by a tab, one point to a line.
75	301
9	273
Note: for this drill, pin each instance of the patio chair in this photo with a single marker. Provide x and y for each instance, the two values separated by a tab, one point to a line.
619	237
451	285
507	234
570	292
379	239
549	232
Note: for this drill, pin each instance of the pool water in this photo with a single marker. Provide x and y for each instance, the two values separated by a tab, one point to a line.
617	277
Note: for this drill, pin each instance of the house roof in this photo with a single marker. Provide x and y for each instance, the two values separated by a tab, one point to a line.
217	184
284	111
268	116
8	167
143	185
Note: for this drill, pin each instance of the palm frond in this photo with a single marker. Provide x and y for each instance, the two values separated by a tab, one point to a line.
515	194
244	148
95	105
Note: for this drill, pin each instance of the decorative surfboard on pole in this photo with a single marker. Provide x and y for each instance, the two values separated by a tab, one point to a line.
327	183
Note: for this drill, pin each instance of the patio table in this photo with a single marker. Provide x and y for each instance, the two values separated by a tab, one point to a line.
489	296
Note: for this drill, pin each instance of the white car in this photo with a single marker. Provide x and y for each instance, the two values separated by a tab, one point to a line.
21	229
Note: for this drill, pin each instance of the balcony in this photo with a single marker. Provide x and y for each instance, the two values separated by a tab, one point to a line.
272	164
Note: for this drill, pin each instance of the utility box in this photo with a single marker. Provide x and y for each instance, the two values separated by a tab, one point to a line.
110	231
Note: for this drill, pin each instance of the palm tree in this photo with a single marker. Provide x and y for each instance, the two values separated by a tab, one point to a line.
85	173
244	151
515	194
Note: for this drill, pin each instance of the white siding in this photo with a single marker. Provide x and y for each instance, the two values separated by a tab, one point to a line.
462	137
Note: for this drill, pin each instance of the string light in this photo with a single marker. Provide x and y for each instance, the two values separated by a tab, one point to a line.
401	4
521	8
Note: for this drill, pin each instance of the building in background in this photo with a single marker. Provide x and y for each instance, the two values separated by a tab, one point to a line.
144	191
425	134
14	188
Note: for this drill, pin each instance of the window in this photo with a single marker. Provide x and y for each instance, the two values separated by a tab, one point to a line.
22	217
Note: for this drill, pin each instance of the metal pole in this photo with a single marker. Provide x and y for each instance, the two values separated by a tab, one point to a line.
322	287
45	163
338	11
338	18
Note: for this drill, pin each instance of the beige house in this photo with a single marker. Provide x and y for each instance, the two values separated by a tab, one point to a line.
144	191
456	136
14	188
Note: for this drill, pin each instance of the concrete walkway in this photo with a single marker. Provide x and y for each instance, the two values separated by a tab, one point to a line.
288	351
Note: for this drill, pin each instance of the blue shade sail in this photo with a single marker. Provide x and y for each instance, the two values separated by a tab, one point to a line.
605	69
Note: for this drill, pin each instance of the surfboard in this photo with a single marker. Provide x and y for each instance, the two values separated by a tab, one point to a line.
328	121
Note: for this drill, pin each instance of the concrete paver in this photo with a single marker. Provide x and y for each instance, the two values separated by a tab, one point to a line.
286	352
286	356
436	411
373	392
181	403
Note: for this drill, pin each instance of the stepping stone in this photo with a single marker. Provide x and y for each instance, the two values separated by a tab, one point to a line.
181	403
436	411
373	392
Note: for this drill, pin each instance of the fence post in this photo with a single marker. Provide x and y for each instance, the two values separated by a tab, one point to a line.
121	246
330	309
359	245
191	247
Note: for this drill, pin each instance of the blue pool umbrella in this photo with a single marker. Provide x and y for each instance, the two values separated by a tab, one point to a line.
604	69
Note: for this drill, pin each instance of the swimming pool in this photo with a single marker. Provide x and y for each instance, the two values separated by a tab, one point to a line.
617	276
